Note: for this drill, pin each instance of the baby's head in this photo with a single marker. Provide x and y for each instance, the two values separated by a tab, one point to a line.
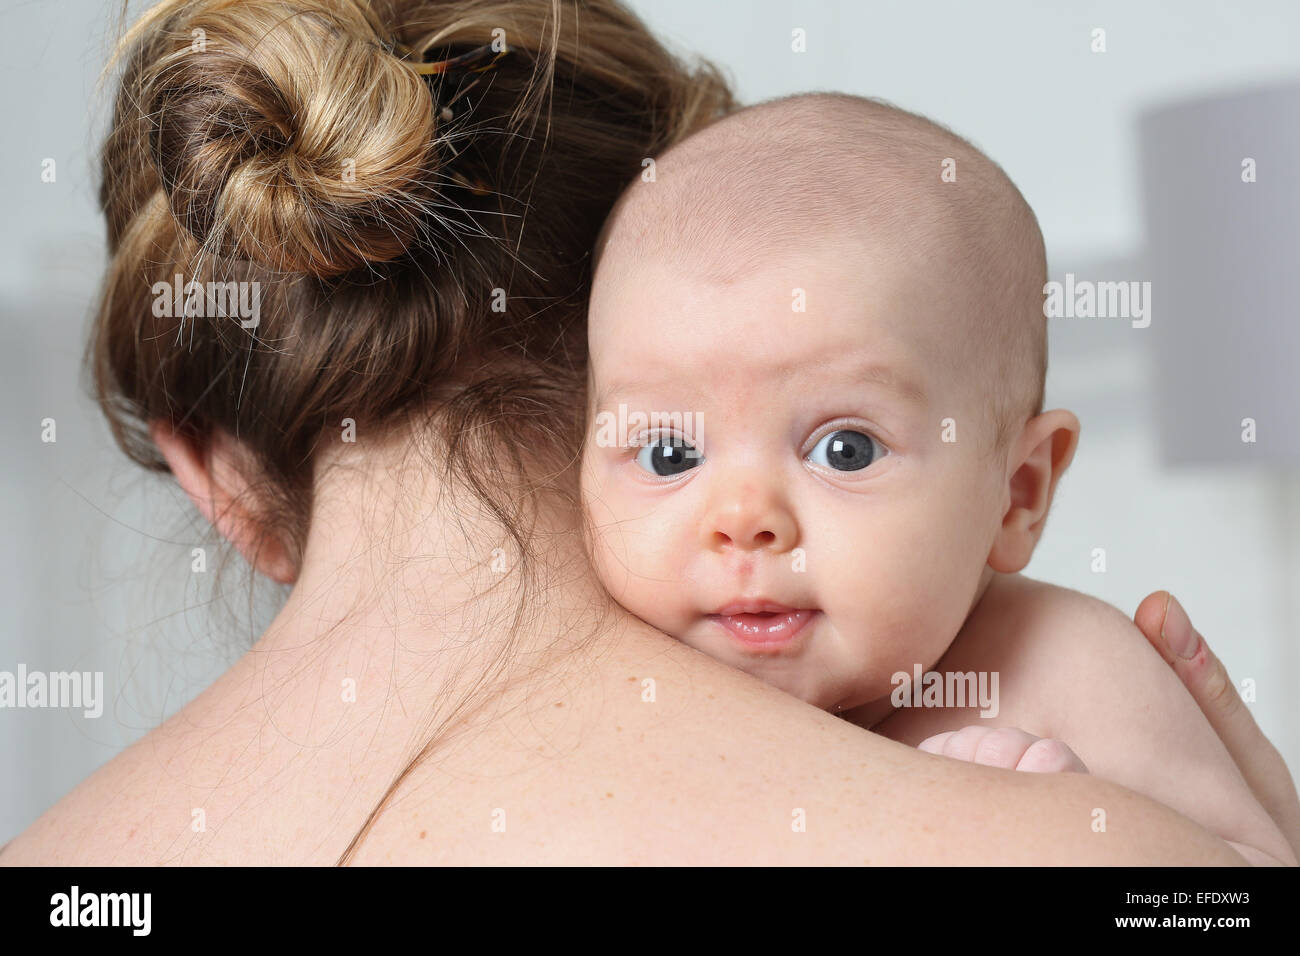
817	361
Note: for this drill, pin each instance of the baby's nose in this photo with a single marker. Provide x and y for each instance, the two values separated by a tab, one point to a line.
750	521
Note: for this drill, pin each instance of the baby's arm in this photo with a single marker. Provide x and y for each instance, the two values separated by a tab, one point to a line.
1075	669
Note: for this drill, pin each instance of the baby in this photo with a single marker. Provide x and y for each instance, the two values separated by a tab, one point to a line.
817	451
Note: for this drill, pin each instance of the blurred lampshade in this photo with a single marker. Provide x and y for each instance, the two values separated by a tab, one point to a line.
1223	258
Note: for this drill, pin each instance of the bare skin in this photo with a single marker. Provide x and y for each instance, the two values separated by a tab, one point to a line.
1079	691
566	751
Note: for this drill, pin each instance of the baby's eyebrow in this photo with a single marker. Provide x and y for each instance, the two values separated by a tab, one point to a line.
626	387
873	373
886	377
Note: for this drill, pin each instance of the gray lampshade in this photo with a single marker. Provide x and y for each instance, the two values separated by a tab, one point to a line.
1223	257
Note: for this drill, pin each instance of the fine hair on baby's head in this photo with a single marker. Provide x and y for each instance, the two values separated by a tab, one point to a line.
817	363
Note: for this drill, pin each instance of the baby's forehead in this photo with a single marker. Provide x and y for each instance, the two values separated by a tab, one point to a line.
802	317
734	288
936	236
724	213
768	224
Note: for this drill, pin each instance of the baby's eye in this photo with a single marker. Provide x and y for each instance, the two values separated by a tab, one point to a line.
668	455
844	450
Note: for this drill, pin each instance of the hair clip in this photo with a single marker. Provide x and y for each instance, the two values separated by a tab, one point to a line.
475	61
478	60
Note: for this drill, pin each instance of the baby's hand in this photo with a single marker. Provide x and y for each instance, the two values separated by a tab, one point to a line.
1005	747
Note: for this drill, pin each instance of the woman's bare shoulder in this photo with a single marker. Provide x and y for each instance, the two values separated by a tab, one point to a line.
645	751
158	800
683	760
103	821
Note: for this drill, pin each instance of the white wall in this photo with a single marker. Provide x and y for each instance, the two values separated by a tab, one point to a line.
96	564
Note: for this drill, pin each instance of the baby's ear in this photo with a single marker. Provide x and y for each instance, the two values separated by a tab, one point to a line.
1040	456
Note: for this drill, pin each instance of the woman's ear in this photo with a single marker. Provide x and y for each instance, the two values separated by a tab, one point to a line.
1041	455
210	474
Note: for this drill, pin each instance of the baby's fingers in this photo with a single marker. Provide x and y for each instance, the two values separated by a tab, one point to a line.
1005	747
935	744
1049	755
991	746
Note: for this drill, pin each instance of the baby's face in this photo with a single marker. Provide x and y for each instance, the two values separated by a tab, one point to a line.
815	529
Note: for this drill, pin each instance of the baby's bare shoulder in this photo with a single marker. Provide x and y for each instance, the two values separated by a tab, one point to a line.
1028	641
1036	620
1054	649
1078	669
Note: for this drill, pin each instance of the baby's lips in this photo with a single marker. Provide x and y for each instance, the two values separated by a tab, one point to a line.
755	606
765	631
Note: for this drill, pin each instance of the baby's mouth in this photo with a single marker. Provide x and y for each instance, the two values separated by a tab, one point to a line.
763	627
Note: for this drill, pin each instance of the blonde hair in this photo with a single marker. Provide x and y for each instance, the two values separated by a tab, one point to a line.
294	143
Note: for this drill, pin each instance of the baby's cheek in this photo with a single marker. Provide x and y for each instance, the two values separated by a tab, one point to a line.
899	605
933	605
634	564
606	547
923	631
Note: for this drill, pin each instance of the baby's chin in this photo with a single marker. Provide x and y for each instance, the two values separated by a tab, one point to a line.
810	667
810	685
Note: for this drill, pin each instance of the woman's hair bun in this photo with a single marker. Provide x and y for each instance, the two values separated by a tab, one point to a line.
285	132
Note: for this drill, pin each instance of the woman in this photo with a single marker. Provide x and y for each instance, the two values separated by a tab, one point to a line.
404	196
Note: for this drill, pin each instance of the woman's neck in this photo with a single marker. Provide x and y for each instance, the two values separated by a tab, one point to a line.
408	580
